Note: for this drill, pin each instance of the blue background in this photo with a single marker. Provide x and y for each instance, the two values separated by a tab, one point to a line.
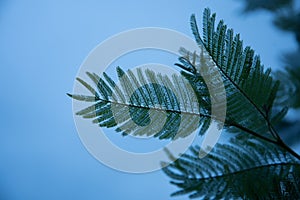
42	44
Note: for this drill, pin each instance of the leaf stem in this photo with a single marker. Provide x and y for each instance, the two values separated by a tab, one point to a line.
287	148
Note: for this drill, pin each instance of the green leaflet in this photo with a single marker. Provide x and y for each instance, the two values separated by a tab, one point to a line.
250	89
145	103
148	103
242	170
247	167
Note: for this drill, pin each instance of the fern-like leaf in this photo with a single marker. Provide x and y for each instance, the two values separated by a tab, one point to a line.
252	166
240	170
250	89
148	103
140	102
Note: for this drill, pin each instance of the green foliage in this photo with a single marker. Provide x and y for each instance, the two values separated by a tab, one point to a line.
141	100
291	79
255	164
289	22
286	16
250	90
249	169
270	5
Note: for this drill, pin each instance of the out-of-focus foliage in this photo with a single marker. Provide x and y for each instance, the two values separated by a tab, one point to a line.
286	18
271	5
289	21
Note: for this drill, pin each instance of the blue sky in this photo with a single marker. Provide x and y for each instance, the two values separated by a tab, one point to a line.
43	44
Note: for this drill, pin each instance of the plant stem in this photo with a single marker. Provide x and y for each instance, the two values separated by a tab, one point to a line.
281	143
286	147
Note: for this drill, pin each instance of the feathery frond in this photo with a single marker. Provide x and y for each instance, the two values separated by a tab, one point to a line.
250	89
239	170
140	102
255	164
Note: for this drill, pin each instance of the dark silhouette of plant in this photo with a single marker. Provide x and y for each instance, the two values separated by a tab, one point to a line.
286	17
254	164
